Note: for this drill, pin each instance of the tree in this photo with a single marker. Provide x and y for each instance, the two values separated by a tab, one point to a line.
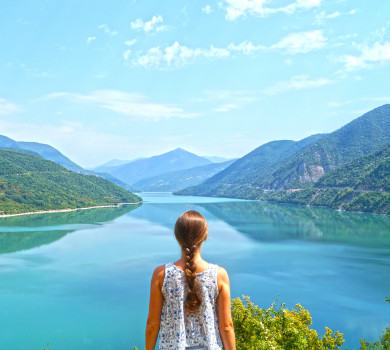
278	328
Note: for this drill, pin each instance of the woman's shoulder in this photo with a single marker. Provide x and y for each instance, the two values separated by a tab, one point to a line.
222	277
159	274
222	272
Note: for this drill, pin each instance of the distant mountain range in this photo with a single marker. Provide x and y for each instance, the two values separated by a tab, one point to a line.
241	179
177	180
112	163
29	183
141	169
346	169
297	172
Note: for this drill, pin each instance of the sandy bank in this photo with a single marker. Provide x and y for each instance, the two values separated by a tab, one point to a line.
66	210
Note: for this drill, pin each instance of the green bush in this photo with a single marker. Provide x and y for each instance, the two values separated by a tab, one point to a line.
382	344
278	328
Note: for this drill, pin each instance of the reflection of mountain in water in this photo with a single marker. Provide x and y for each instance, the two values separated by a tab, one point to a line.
31	231
269	222
265	221
166	214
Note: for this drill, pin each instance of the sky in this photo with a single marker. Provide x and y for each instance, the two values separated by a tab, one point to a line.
124	79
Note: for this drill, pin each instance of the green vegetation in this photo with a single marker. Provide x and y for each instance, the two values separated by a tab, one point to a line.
29	184
244	177
369	173
382	344
282	329
278	328
362	185
337	170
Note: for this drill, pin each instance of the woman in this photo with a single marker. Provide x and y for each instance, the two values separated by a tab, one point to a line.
190	299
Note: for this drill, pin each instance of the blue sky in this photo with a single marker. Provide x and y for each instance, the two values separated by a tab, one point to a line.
125	79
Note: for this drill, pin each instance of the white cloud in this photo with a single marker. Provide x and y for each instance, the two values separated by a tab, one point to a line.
130	42
297	82
126	54
227	100
8	108
107	30
207	9
323	16
149	26
177	55
90	39
238	8
138	107
302	42
246	47
378	53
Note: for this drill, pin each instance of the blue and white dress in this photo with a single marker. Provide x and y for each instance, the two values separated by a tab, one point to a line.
180	329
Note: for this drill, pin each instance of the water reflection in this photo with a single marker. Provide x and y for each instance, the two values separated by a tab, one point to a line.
266	221
272	222
30	231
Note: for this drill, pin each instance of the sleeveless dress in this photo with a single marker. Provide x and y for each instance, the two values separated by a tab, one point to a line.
180	329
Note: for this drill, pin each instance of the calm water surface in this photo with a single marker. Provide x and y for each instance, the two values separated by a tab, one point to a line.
80	280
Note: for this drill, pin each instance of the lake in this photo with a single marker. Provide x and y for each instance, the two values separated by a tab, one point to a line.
80	280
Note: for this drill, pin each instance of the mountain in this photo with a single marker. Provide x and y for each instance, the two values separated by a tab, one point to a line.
113	162
138	170
369	173
240	180
50	153
354	140
45	151
362	185
215	159
29	183
281	168
177	180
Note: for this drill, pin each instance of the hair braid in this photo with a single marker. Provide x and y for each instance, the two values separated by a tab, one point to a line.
191	232
193	300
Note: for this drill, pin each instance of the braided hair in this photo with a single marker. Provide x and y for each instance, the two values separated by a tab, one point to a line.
191	232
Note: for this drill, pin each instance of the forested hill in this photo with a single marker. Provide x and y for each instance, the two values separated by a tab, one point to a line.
30	183
241	179
362	185
289	170
356	139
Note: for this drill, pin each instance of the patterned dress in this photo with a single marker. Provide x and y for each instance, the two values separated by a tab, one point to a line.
180	329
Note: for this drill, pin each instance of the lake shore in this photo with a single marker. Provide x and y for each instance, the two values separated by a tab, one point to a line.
68	209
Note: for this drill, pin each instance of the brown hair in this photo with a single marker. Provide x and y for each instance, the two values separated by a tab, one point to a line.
191	232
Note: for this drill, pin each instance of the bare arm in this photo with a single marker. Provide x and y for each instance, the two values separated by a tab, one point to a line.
155	307
225	322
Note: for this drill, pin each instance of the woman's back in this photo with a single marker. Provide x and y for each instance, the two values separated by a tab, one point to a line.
189	302
181	329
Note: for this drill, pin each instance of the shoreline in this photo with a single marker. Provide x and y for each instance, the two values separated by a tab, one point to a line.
68	209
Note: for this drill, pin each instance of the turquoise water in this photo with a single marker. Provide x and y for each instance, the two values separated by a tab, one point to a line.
80	280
